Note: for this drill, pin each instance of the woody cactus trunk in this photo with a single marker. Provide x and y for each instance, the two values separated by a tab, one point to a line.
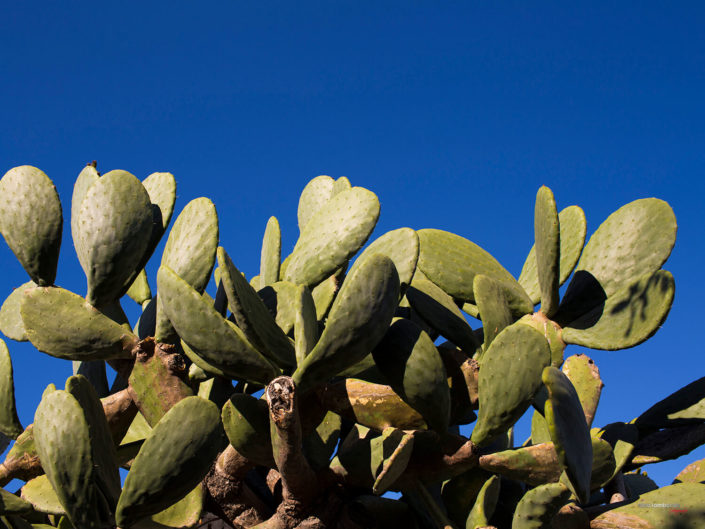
299	397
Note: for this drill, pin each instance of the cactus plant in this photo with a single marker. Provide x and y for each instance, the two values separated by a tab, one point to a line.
299	397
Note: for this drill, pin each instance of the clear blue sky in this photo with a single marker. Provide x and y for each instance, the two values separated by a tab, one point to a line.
453	114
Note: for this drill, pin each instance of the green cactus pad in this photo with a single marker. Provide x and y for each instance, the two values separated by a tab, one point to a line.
41	495
573	228
86	178
604	465
76	330
485	504
401	246
277	346
678	409
438	310
316	193
340	185
172	461
320	444
246	422
679	505
139	290
211	337
622	437
534	465
184	513
161	188
460	492
11	504
31	221
280	299
271	253
113	234
358	319
190	252
62	439
547	236
452	262
372	460
628	317
305	324
493	307
539	506
551	331
638	483
10	317
9	422
693	473
334	233
569	430
539	429
324	292
409	361
104	456
633	242
585	377
510	376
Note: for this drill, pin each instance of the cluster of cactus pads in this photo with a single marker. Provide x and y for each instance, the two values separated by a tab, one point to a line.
300	397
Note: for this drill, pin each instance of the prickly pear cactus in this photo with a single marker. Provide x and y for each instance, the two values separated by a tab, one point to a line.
303	396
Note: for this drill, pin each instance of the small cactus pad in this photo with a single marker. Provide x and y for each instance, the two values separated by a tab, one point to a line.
569	430
585	377
547	236
535	464
551	331
485	504
452	262
538	506
139	290
679	408
246	422
573	228
280	299
9	422
679	505
334	233
192	243
438	310
103	452
628	317
86	178
113	233
11	504
622	437
270	257
31	221
320	444
276	345
510	376
161	188
62	439
693	473
10	318
408	359
76	330
341	184
305	323
401	246
493	307
324	292
41	495
316	193
172	460
634	240
358	319
212	337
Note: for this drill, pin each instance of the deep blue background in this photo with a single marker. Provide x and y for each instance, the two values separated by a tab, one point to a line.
453	114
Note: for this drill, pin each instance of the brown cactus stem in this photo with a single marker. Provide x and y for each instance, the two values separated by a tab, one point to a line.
235	499
120	410
159	379
299	480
